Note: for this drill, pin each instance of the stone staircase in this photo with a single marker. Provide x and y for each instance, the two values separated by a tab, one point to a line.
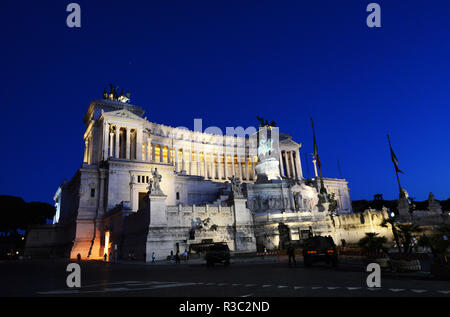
224	194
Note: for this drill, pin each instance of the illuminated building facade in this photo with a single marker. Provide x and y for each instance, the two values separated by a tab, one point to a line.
101	202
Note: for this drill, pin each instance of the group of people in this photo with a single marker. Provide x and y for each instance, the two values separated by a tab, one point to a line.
177	257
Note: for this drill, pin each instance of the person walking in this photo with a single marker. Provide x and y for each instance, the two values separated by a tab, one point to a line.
291	254
105	256
185	255
153	257
177	257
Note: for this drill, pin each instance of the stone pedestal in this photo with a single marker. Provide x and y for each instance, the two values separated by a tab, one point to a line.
244	238
157	210
267	171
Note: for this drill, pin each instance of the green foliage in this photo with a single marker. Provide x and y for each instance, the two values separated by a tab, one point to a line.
372	243
15	213
333	204
437	243
404	234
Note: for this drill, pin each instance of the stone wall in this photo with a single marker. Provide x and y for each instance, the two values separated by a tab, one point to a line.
161	229
350	227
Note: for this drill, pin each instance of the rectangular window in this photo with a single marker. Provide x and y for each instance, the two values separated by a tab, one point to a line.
92	192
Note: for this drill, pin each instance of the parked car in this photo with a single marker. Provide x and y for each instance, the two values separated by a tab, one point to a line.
320	249
217	253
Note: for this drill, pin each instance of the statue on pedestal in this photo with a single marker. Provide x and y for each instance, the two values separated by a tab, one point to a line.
154	188
236	187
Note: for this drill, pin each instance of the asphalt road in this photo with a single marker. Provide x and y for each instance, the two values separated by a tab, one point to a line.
269	279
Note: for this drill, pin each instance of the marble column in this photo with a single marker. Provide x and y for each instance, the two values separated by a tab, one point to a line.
291	159
253	170
205	165
149	146
161	153
286	159
198	159
175	152
117	145
190	161
212	174
183	160
233	168
315	167
225	161
240	167
246	169
105	141
128	145
111	144
139	144
219	161
298	165
281	164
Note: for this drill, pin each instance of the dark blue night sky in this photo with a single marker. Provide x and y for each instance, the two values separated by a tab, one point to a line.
226	62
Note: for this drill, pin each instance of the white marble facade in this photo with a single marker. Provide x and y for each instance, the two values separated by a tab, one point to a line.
122	148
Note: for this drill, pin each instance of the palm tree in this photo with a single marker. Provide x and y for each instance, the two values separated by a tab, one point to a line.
371	243
391	221
407	232
403	234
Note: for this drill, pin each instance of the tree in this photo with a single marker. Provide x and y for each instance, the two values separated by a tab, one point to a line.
391	221
404	234
438	243
371	243
407	232
16	214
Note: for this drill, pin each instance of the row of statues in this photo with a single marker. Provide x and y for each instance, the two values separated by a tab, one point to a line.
266	123
113	95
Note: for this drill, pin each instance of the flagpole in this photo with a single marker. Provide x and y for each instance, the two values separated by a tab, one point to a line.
396	172
316	152
314	136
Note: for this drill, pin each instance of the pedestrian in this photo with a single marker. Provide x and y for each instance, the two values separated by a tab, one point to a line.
291	254
110	257
177	258
185	255
105	256
153	257
79	257
171	255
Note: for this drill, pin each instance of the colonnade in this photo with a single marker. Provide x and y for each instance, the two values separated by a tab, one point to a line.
130	143
290	166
